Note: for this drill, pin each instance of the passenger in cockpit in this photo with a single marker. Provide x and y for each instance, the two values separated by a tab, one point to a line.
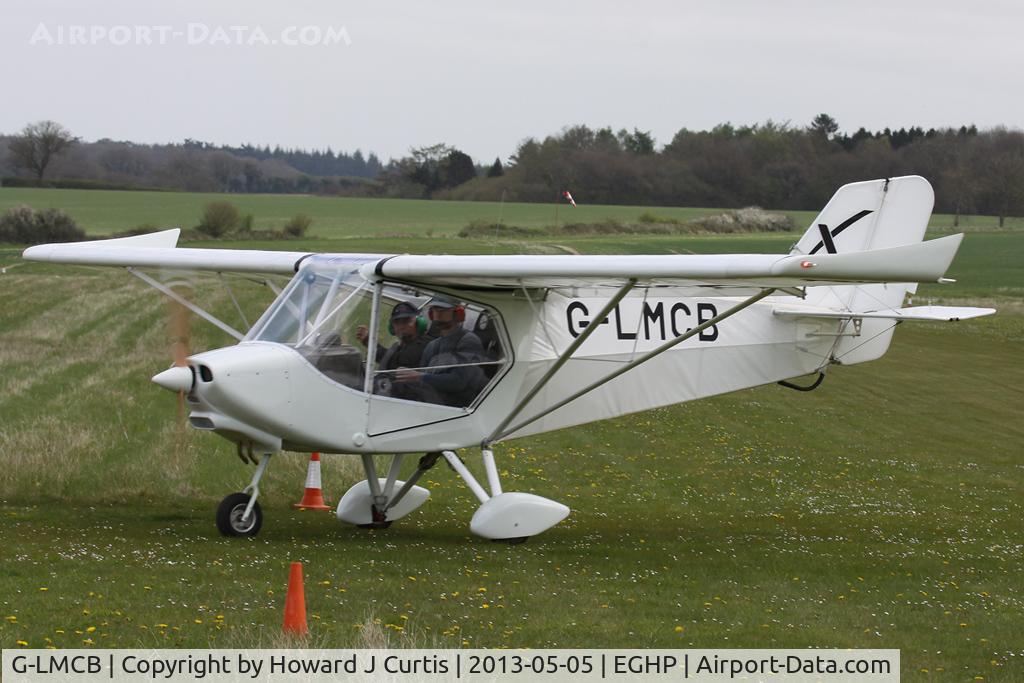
410	328
449	370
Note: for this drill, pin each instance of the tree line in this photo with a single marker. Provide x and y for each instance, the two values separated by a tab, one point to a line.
770	164
774	165
47	153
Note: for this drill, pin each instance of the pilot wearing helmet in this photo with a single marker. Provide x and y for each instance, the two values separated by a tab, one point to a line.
450	371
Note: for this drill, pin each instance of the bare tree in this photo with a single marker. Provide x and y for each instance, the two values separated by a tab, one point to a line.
38	144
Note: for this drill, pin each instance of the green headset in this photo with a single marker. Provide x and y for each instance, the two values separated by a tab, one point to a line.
421	325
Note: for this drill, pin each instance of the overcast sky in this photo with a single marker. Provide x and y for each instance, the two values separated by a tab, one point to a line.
482	77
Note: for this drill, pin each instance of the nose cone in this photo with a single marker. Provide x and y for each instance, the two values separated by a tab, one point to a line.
176	378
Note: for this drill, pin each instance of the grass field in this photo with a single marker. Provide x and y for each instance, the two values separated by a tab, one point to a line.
882	510
103	213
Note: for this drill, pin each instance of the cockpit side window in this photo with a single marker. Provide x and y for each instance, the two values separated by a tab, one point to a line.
438	348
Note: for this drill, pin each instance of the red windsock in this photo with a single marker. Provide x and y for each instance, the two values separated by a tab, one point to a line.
295	603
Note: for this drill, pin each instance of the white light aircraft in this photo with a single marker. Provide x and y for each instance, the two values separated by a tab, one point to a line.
526	344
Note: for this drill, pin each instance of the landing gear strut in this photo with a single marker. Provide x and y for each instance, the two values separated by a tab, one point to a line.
239	514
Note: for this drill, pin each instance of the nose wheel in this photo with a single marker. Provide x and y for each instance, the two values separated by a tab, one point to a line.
231	517
239	514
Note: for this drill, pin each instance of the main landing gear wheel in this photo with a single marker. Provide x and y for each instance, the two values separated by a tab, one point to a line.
230	512
380	520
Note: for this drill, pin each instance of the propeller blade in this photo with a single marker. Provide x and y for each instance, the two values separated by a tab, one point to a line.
178	330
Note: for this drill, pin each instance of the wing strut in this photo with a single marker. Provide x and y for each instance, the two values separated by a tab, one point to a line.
501	433
231	293
562	360
164	289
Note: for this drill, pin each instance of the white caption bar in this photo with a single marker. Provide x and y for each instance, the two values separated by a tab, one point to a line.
137	666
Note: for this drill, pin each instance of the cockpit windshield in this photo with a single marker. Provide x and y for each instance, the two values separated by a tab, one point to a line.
317	314
427	346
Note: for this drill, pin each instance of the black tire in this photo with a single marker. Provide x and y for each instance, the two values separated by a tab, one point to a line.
516	540
229	516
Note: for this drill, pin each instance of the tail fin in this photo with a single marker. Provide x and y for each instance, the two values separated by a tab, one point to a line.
871	215
874	214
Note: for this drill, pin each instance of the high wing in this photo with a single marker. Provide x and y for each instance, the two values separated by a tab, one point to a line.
922	262
158	250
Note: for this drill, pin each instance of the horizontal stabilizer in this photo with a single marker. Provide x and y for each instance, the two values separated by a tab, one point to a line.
939	313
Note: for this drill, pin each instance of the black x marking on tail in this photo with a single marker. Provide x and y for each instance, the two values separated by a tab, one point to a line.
826	235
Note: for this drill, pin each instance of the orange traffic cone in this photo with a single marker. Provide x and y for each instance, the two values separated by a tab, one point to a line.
295	603
313	497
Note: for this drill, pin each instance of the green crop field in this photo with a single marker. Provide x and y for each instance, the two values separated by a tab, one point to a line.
106	212
882	510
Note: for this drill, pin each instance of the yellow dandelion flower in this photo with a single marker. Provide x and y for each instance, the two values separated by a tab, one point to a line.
23	643
198	621
679	629
90	629
12	619
43	589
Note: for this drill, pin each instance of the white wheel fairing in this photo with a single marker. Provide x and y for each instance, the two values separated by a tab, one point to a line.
514	515
355	506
